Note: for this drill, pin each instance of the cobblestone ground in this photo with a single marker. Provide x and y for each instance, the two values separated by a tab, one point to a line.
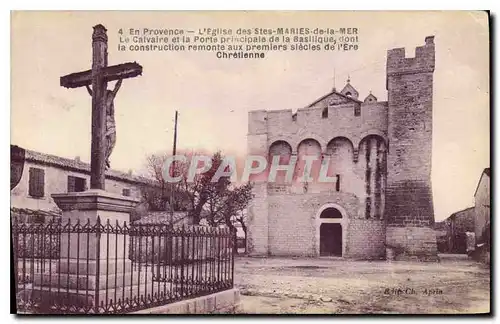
335	286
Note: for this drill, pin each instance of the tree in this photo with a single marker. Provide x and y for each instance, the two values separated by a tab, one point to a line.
241	218
225	200
156	196
220	200
235	200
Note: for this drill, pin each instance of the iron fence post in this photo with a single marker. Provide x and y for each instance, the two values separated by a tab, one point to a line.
234	248
98	262
183	234
15	248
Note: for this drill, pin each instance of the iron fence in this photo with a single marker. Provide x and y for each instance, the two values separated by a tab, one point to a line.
83	267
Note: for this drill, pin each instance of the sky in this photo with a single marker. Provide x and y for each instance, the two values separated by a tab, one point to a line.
213	96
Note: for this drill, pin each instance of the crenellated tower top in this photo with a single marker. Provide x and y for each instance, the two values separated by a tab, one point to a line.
424	60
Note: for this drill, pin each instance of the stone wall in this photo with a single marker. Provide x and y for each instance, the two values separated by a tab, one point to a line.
412	242
295	222
409	196
258	230
224	302
366	239
482	207
282	221
308	123
257	235
382	153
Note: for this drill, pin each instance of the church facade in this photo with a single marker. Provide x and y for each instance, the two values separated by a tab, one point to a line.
379	155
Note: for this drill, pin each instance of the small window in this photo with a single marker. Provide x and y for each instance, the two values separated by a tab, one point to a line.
337	183
348	93
368	207
126	192
36	182
76	184
357	110
324	114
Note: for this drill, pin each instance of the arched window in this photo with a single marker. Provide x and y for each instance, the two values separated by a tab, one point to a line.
308	147
341	158
284	151
330	213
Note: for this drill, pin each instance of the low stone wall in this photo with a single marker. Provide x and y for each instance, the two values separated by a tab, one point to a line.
224	302
412	243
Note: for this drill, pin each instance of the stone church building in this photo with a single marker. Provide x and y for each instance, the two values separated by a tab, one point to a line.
379	154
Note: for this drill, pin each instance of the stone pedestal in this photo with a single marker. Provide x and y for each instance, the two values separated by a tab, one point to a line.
94	269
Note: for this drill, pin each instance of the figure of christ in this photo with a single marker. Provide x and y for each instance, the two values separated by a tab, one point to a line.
110	135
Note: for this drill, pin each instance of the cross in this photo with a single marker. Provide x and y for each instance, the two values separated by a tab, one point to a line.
98	77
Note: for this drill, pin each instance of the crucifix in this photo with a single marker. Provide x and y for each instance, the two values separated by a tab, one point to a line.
103	128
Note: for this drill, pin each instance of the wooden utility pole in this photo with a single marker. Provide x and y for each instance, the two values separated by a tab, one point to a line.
172	186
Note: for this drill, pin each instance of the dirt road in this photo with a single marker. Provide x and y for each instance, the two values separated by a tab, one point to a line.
286	285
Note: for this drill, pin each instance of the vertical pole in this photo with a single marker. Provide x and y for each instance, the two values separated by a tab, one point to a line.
15	251
183	234
97	227
99	61
78	231
172	185
87	227
334	89
234	248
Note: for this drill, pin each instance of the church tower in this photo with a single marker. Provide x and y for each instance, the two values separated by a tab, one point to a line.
409	208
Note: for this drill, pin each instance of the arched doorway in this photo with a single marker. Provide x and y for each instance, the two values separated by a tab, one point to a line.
331	227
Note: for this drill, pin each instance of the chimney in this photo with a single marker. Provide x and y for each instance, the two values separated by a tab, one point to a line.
77	159
129	171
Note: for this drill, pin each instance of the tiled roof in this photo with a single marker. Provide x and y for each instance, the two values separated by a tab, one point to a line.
76	165
459	213
464	219
462	212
